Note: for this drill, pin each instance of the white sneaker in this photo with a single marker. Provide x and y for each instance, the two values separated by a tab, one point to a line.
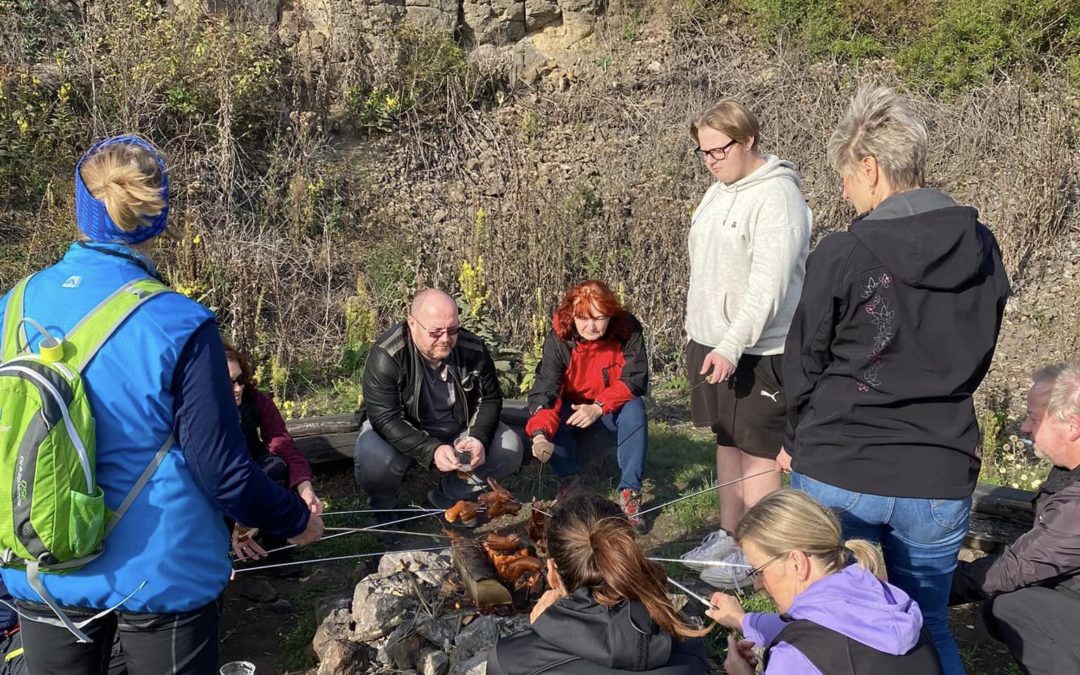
716	546
733	575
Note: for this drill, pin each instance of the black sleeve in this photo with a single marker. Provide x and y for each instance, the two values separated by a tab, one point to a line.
385	410
635	372
207	425
807	351
549	374
489	408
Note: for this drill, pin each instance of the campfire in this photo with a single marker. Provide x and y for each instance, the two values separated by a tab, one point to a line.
448	605
499	569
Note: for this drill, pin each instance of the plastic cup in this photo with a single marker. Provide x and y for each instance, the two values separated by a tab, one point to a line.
238	668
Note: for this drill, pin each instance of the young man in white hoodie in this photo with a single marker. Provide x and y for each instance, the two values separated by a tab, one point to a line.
749	239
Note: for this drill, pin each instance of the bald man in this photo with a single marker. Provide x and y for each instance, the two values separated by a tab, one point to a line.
432	397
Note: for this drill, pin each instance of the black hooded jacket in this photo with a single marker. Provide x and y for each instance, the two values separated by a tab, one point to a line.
578	636
895	330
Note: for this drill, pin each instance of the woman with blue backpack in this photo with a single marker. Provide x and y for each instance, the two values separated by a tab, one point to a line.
125	447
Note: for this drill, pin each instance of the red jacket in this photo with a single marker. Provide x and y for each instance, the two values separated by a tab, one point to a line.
605	371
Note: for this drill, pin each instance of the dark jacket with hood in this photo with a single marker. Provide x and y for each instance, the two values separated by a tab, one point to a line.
392	386
1048	555
895	330
578	636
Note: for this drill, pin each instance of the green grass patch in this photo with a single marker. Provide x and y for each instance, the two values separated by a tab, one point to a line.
947	44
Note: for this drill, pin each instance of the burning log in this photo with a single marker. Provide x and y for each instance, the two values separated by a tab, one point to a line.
479	576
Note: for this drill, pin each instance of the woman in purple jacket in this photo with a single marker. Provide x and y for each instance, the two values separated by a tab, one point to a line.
835	617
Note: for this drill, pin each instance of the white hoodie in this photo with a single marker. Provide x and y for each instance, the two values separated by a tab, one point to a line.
748	247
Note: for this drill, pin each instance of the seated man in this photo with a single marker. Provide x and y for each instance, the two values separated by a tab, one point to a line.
432	397
1032	588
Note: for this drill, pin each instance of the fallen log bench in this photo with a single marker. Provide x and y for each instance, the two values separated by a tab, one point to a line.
330	439
999	515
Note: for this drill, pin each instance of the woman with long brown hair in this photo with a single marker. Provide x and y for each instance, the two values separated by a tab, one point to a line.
607	610
591	377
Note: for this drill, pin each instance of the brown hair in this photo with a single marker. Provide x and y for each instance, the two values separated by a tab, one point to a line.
592	544
126	178
247	374
732	118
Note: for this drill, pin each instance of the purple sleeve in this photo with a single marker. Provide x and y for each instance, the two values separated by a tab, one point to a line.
207	424
279	442
761	628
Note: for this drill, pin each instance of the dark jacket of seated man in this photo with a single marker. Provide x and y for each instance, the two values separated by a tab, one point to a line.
1048	555
393	380
1032	588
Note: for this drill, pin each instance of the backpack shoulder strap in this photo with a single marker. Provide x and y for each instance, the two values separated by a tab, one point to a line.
825	648
13	331
90	333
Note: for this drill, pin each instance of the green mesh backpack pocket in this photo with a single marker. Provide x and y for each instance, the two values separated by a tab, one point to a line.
53	511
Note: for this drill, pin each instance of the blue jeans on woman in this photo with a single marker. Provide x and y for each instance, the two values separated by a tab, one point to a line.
920	539
631	427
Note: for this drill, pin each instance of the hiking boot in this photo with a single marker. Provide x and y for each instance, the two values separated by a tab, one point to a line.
630	500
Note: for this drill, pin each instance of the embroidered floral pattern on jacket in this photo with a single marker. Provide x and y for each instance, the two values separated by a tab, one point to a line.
878	307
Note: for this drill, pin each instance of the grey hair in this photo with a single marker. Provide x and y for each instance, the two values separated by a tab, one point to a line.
881	124
1064	379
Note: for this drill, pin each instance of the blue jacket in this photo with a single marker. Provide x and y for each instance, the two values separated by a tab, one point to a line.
162	372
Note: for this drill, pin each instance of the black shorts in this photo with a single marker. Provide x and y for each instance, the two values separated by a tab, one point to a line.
748	411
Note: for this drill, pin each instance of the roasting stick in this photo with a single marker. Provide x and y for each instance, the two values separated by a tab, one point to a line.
689	592
701	492
709	563
370	528
361	511
338	557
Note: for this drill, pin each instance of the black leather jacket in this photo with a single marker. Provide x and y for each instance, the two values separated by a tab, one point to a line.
392	382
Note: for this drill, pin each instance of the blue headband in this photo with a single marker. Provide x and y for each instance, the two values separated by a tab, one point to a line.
93	218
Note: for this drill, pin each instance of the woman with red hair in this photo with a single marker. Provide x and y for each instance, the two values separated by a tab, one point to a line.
591	376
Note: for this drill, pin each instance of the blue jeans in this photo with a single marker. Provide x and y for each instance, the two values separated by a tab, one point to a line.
920	539
631	427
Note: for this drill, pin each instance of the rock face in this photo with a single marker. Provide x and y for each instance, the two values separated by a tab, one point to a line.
317	25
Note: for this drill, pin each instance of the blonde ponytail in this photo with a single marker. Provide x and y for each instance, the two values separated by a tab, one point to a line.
126	179
868	556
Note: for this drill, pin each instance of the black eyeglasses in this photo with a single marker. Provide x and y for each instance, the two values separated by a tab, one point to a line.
716	154
754	574
239	379
452	331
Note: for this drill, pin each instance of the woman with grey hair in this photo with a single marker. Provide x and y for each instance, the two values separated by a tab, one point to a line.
896	327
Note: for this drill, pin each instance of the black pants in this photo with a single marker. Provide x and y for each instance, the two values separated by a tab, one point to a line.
1038	625
153	644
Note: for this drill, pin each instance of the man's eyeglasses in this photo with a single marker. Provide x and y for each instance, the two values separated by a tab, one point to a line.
452	331
715	154
754	574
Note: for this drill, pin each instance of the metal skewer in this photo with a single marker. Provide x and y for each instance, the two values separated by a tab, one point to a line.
708	563
708	489
362	511
339	557
689	592
351	531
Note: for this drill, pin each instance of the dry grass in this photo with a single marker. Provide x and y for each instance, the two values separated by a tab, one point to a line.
277	217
